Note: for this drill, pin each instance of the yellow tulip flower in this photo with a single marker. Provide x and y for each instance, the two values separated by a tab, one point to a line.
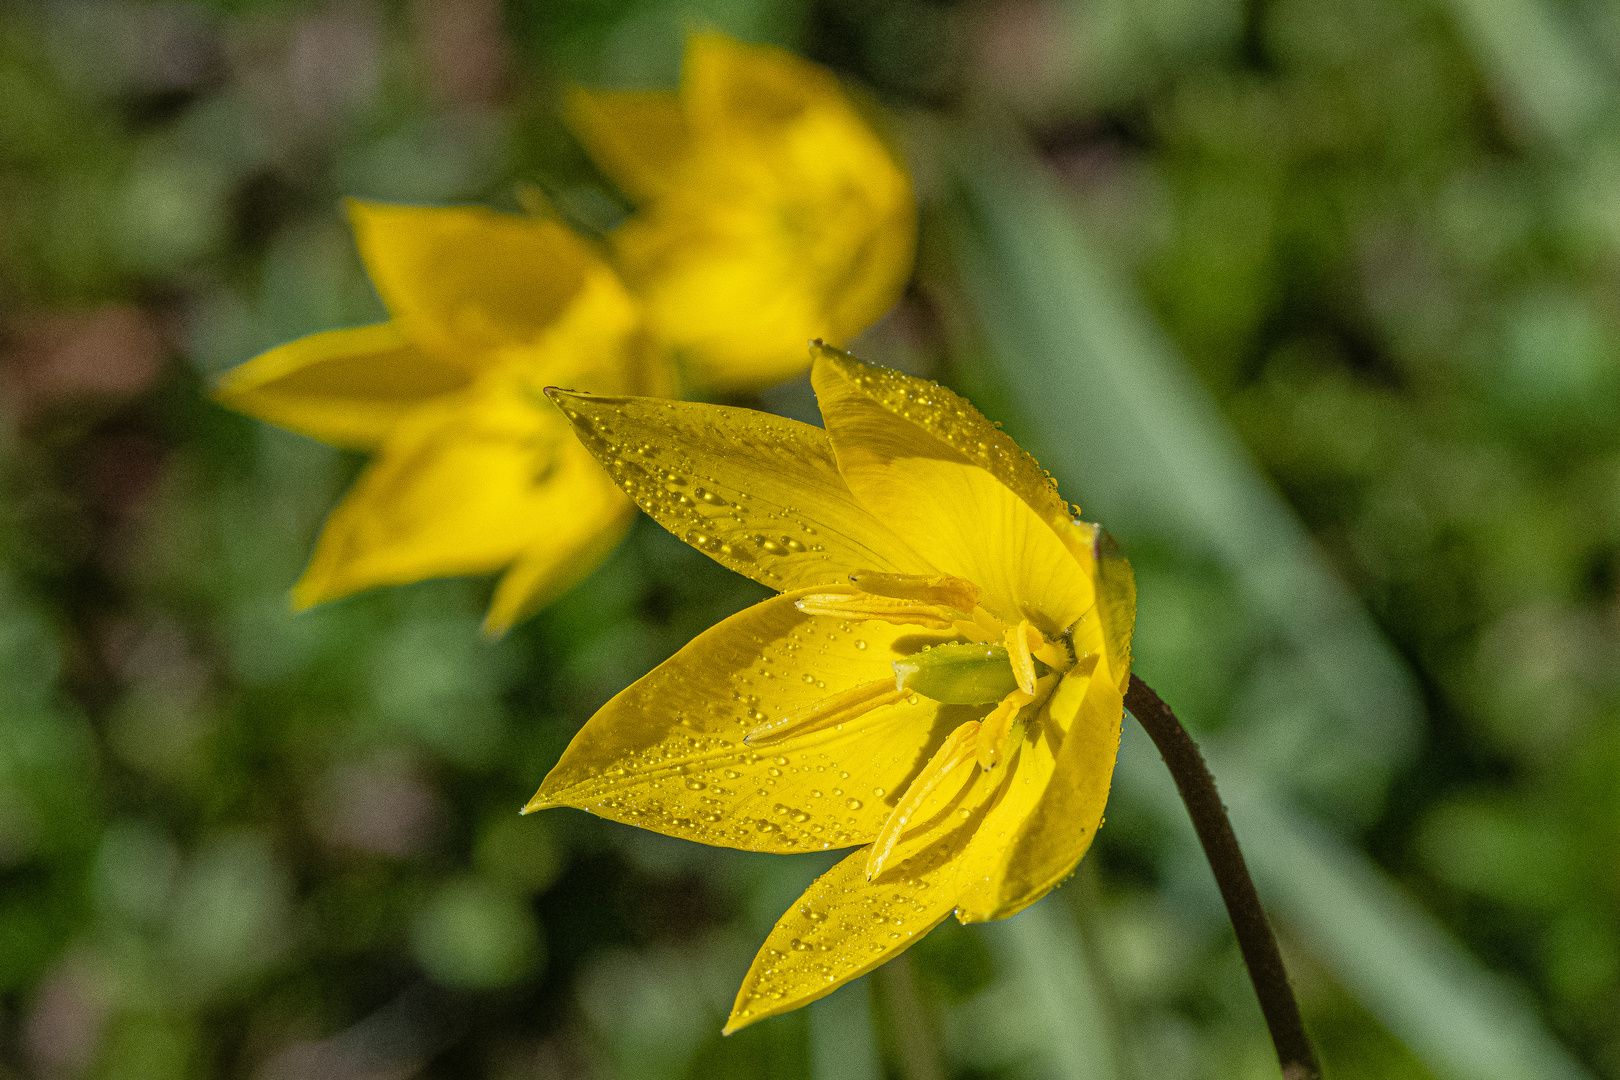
769	211
940	678
472	470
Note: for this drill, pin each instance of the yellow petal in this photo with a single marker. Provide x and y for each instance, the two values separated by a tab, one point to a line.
588	527
857	231
763	246
464	486
461	281
760	494
668	754
952	419
953	511
841	928
786	219
730	88
637	137
1052	806
595	343
344	387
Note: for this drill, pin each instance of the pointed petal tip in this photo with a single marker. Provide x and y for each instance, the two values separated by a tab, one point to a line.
359	211
310	590
737	1021
846	364
560	394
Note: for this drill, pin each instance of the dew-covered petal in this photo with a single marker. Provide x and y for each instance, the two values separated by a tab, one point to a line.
1051	808
953	420
344	387
667	754
462	281
955	513
841	928
463	486
760	494
638	137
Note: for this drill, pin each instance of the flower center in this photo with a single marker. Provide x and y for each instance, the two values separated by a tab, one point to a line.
1012	666
962	673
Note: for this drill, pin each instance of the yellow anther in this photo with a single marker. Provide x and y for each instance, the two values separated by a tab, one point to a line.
993	729
958	748
947	591
887	609
828	712
1021	657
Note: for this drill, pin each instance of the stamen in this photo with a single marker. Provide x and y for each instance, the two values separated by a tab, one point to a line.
994	728
828	712
1019	655
958	748
885	608
952	592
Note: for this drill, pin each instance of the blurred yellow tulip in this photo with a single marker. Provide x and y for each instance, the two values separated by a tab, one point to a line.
769	211
473	470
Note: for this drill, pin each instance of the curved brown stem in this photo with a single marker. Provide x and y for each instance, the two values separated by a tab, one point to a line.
1259	945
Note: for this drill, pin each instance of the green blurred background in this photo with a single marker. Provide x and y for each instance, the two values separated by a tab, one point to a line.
1315	303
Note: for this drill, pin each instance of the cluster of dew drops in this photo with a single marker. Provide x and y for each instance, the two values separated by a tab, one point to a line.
727	525
949	418
711	803
826	944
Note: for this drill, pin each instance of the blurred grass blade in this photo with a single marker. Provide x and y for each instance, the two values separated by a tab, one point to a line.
1463	1021
843	1045
1119	418
1533	58
1058	987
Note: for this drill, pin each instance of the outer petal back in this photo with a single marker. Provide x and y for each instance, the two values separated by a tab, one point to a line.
463	486
638	137
462	280
579	535
344	387
1049	818
731	89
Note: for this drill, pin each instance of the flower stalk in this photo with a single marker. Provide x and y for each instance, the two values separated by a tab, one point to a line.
1255	939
